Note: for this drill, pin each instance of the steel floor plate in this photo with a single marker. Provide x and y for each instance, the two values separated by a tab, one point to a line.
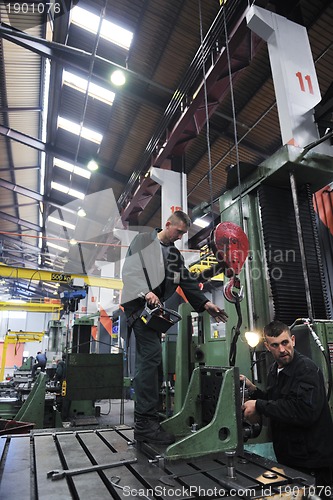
26	461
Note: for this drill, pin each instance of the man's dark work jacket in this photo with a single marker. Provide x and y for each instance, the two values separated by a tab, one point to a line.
301	422
164	276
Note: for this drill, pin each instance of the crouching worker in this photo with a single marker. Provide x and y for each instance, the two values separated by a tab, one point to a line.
296	404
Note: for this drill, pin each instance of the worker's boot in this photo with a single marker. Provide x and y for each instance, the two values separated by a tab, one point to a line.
150	431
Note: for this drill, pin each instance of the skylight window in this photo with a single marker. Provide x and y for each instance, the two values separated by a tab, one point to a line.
73	169
67	190
76	129
57	247
110	31
60	222
201	223
95	91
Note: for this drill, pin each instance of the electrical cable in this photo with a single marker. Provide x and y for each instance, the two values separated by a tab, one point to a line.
260	358
236	330
210	179
236	333
234	120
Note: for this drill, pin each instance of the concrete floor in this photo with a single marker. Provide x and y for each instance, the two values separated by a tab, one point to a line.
110	412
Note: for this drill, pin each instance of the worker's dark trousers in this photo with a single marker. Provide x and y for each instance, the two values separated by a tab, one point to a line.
148	370
324	480
37	365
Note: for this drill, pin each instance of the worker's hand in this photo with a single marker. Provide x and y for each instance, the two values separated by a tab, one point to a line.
152	299
217	313
248	384
250	413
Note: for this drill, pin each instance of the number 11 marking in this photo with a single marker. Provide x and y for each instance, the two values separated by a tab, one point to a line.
301	82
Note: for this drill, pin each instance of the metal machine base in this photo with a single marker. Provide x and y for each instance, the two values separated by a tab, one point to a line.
27	462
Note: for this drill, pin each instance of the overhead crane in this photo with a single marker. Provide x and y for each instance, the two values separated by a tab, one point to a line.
32	306
58	277
12	337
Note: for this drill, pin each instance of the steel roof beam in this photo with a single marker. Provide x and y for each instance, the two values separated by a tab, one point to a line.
32	167
46	148
21	222
69	56
22	246
10	109
34	195
21	190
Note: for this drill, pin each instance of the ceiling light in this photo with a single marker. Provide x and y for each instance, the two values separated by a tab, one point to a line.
61	222
110	31
92	165
82	85
118	78
81	212
200	210
201	223
57	247
67	190
73	169
252	338
84	132
57	266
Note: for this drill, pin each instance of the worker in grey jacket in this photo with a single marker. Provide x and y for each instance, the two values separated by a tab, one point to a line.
152	271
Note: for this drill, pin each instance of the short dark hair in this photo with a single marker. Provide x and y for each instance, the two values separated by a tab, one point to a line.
275	328
180	215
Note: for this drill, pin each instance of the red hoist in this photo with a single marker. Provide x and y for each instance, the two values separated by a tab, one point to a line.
231	248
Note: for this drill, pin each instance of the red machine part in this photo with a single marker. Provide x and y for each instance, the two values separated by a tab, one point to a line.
231	247
233	290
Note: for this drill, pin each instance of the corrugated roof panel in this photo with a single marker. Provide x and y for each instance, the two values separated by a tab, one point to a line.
7	174
23	69
120	143
6	197
31	238
3	154
26	122
24	156
22	74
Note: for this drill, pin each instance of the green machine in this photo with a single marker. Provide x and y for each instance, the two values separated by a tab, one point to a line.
280	276
57	336
283	276
90	377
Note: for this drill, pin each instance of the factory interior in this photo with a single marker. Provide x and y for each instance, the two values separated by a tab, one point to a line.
113	116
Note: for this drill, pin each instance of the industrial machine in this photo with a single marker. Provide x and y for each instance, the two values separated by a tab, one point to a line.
267	245
12	337
267	248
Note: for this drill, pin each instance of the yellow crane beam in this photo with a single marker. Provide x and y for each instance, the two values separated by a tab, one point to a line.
56	277
12	337
42	307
